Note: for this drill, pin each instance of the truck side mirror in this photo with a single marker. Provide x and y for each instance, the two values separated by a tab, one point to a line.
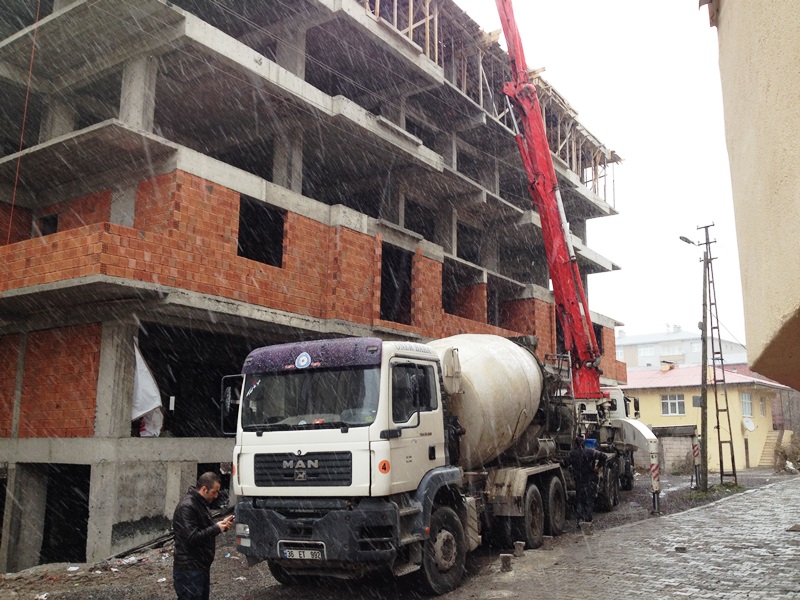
635	408
230	399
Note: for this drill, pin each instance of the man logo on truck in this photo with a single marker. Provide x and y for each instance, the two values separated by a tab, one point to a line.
301	464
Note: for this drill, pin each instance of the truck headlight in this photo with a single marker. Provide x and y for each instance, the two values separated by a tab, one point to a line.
243	529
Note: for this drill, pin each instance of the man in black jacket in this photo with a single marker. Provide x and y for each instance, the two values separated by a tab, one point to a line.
195	534
585	462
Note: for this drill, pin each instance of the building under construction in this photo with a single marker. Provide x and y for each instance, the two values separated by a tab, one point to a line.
202	177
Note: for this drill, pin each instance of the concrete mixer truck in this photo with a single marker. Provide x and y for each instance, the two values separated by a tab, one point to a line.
355	455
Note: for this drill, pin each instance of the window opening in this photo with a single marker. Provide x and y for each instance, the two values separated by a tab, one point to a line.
48	225
396	284
469	244
260	232
672	404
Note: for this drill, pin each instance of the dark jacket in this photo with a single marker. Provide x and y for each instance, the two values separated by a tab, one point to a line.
195	534
582	461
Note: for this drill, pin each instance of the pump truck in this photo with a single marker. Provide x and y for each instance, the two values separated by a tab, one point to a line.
357	455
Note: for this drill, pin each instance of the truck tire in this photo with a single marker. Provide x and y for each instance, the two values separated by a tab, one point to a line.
555	507
608	490
626	478
443	553
530	527
281	575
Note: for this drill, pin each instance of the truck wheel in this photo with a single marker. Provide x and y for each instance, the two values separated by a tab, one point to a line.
530	528
443	553
608	491
281	575
555	507
626	479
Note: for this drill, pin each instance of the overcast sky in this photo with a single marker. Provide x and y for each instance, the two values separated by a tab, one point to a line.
644	79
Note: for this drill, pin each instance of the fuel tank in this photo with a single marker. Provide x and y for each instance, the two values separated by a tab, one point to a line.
501	385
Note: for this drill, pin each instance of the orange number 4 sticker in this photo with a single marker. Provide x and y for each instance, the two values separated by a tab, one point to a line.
384	466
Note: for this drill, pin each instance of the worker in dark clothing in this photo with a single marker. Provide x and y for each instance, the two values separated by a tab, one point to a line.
195	534
585	462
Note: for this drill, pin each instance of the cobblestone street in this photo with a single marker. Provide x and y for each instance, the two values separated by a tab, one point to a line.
738	547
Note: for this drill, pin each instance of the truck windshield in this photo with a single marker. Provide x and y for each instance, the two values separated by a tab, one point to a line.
313	398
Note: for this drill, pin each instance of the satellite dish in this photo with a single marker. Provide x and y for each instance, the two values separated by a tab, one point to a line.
748	424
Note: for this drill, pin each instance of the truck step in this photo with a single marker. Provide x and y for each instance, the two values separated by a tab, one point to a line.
417	537
405	569
406	511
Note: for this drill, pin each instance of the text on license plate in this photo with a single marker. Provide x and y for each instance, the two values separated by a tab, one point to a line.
303	554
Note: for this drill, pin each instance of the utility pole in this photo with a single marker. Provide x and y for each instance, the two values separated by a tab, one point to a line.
702	478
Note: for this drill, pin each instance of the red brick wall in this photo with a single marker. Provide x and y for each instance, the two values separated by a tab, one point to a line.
94	208
611	367
9	347
185	236
471	302
519	315
155	203
545	317
56	257
351	280
426	294
21	226
60	382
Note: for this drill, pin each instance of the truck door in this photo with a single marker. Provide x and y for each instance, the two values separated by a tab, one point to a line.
417	412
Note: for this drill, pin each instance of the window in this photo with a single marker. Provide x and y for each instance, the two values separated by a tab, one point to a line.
48	225
620	353
697	346
468	241
260	232
396	284
672	404
671	350
747	405
647	351
762	407
412	388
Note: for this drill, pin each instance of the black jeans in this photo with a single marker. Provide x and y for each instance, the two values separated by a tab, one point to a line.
192	585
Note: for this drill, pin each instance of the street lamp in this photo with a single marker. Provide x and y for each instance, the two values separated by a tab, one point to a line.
702	479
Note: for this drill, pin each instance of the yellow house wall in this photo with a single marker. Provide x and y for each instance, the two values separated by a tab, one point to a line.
759	45
650	409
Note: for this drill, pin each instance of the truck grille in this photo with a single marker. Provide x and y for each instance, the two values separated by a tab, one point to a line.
291	470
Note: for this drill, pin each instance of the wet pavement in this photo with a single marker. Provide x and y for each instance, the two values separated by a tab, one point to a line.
738	547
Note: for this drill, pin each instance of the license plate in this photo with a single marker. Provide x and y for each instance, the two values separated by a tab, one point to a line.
304	552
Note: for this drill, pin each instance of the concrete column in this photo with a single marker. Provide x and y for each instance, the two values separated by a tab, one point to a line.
138	97
287	166
490	250
23	518
290	52
180	477
445	144
123	205
115	381
23	342
59	118
102	505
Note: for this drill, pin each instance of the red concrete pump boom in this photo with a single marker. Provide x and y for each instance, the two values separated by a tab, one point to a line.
572	310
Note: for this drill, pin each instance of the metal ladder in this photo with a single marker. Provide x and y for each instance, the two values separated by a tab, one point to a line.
717	381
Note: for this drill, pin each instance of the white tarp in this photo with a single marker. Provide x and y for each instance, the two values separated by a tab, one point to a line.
146	397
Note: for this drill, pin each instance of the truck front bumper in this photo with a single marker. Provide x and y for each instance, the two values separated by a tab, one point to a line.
303	532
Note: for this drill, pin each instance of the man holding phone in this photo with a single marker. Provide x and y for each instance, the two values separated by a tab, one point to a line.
195	534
